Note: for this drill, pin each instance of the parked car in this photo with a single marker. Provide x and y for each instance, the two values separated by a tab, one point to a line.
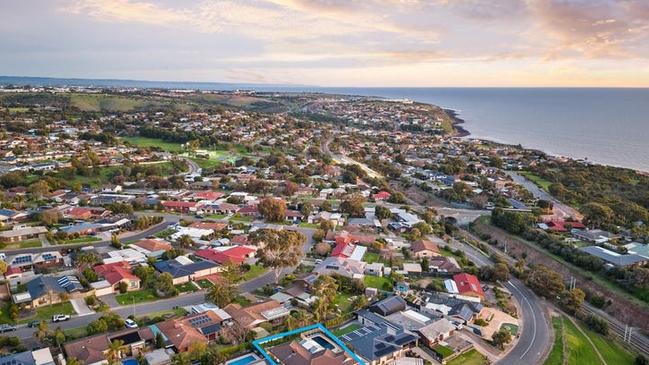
6	328
129	323
60	317
33	324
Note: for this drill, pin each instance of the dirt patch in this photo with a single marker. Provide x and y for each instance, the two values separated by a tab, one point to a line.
621	308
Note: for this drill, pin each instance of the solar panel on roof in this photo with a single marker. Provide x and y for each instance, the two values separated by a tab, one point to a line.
385	351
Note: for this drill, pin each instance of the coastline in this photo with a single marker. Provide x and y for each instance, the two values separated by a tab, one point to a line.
457	121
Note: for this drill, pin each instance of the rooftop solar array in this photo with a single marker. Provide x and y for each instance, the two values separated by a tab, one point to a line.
199	321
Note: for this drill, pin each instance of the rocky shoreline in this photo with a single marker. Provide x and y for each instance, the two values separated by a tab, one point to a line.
457	121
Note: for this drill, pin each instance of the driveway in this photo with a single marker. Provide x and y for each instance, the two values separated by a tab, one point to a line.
80	307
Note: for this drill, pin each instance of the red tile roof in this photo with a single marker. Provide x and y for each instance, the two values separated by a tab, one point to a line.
468	284
115	272
343	249
178	204
236	254
208	195
381	195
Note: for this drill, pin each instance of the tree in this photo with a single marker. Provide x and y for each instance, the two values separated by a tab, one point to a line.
39	189
272	209
353	205
185	241
279	248
115	350
49	217
222	293
326	289
641	360
159	341
501	338
382	212
500	272
297	319
545	282
597	215
3	267
86	259
165	285
322	248
571	300
236	333
42	332
58	338
306	209
114	241
72	361
397	198
123	287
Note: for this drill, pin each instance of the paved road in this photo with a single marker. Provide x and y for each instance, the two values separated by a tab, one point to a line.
534	338
561	210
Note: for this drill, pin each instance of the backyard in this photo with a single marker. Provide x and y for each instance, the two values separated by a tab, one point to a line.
378	282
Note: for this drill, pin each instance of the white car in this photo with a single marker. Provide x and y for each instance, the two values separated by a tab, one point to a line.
60	317
129	323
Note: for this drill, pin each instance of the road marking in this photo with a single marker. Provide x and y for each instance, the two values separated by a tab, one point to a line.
533	318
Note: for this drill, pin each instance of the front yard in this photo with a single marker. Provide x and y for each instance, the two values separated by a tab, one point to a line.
471	357
255	271
187	287
140	296
46	312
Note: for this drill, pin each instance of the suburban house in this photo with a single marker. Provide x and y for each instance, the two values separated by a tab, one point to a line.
307	351
424	248
178	206
436	331
468	285
17	233
37	357
198	327
254	314
346	267
379	341
347	250
381	195
117	273
182	269
92	350
45	290
40	260
442	264
614	258
464	311
149	246
228	254
596	236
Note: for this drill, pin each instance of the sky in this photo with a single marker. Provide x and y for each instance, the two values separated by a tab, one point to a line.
364	43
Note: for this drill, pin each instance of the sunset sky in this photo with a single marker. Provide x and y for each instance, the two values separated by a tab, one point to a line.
332	42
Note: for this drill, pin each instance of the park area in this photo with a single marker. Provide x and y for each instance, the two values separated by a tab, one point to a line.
576	345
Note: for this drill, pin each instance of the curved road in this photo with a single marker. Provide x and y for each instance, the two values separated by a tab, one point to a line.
535	333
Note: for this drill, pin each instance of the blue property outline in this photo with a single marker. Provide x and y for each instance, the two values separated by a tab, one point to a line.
257	343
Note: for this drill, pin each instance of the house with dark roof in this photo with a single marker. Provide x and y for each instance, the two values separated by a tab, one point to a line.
198	327
92	350
464	311
45	290
183	269
389	306
379	341
37	357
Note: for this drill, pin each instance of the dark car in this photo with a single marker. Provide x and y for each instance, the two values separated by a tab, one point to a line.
33	324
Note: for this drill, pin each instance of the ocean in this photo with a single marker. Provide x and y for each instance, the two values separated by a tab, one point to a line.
603	125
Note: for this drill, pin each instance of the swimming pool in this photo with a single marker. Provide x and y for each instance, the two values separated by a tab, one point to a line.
129	362
322	342
243	360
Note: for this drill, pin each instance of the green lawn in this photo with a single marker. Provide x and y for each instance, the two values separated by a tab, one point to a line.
241	218
46	312
611	350
153	142
556	353
579	349
26	244
255	271
165	233
81	240
140	296
471	357
104	102
343	302
205	284
309	225
513	329
377	282
350	328
443	351
371	257
541	182
75	333
217	216
187	287
4	313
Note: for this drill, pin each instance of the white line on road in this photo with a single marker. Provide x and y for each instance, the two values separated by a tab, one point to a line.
533	318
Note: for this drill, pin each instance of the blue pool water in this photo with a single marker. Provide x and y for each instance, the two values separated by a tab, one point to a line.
243	361
322	342
129	362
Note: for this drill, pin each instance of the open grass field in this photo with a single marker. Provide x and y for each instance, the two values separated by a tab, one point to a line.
140	296
471	357
541	182
102	102
153	142
579	350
